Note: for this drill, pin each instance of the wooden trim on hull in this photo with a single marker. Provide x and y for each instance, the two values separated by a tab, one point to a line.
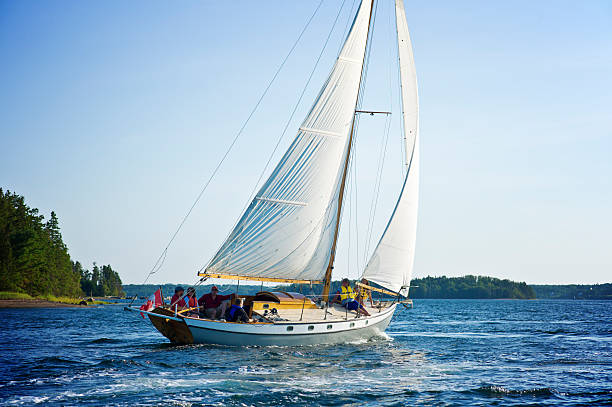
177	332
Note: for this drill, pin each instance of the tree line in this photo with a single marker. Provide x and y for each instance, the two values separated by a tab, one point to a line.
574	291
34	258
100	281
469	287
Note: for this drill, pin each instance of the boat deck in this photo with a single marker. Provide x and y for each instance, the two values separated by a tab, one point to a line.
334	312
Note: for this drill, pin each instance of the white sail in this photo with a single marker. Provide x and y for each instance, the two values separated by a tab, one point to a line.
392	261
287	231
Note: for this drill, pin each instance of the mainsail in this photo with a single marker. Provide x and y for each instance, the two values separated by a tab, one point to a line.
288	229
392	260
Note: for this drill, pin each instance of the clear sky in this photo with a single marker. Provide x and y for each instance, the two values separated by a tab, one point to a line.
114	113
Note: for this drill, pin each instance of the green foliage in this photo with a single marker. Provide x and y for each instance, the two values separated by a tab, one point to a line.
8	295
469	287
34	259
100	282
574	292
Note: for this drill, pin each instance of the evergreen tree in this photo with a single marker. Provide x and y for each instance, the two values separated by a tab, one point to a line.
34	258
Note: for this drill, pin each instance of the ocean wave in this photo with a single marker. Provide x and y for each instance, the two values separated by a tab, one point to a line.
496	391
103	340
26	400
56	361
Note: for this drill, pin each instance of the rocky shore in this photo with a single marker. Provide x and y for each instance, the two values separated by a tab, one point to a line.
34	303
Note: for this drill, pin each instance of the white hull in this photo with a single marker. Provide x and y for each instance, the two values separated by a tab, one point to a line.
290	333
286	333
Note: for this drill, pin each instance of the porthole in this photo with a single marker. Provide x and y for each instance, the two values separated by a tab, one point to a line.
266	306
367	321
289	328
311	327
352	324
329	327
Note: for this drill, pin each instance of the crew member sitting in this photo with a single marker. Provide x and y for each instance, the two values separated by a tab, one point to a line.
346	297
235	313
364	294
177	298
191	302
214	304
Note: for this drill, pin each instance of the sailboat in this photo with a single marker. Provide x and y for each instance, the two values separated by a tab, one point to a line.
289	232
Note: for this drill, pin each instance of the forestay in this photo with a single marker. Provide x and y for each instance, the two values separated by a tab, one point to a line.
287	230
392	260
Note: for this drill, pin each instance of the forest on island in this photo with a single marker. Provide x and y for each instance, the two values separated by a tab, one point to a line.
469	287
574	291
34	258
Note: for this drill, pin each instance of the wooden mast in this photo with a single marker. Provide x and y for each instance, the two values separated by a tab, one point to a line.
330	266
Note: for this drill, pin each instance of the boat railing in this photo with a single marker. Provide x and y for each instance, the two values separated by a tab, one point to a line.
380	304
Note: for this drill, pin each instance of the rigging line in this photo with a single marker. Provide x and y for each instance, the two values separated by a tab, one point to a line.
383	150
362	83
367	56
390	76
351	184
155	267
352	200
346	27
356	208
357	120
377	184
287	124
348	260
404	163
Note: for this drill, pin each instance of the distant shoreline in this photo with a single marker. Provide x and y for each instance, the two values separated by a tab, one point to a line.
35	303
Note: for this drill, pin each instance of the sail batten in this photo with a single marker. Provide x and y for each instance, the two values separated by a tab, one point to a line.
288	229
392	261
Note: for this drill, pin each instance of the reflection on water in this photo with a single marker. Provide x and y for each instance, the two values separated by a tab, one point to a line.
442	352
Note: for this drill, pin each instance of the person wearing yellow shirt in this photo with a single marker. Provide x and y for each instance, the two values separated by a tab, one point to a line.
345	296
364	294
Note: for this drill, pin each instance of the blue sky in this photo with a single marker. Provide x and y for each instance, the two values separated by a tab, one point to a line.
114	114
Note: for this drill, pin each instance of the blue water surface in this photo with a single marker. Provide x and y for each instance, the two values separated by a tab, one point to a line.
442	352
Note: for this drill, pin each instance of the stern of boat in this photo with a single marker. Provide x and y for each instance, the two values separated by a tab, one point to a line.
172	328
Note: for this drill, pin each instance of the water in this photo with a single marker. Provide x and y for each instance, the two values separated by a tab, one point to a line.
442	352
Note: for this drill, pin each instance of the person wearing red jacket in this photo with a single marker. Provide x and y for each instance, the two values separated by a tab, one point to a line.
191	302
190	299
214	304
177	298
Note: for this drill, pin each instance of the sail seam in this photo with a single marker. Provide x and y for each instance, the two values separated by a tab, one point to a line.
346	59
281	201
321	132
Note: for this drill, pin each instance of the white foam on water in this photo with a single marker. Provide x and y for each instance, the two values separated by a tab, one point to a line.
256	370
456	335
28	400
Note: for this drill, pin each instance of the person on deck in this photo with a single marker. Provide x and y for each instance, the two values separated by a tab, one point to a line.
346	297
177	298
236	313
191	302
214	304
364	294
